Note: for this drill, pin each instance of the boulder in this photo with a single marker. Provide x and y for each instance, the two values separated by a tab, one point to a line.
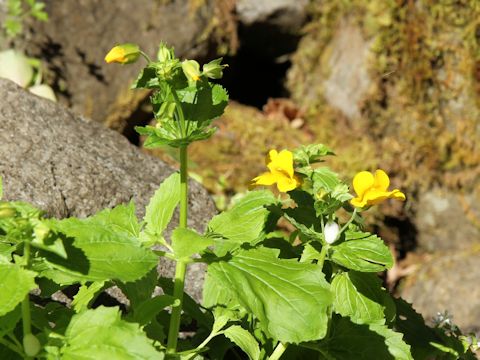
448	282
69	165
286	15
73	44
447	220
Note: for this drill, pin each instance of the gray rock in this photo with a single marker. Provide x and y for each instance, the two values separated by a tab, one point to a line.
448	282
445	220
348	81
287	15
74	42
71	166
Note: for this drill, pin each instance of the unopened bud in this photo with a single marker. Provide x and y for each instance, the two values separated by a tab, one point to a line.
31	345
330	232
165	53
123	54
214	70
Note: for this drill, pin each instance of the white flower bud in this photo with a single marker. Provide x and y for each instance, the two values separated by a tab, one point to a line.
330	232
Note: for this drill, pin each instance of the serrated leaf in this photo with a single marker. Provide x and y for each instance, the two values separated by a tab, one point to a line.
148	309
9	321
15	284
416	333
244	340
203	102
360	297
159	210
101	334
348	341
309	154
85	295
139	290
290	299
243	223
324	179
186	242
103	248
147	79
369	254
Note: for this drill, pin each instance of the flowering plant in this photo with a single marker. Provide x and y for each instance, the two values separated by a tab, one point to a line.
310	294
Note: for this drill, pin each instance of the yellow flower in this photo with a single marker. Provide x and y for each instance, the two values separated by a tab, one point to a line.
281	171
123	54
372	190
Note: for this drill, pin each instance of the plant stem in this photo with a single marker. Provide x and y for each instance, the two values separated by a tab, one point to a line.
181	266
26	317
278	352
344	227
323	253
11	346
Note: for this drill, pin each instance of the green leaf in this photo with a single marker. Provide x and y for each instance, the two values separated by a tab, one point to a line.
394	341
290	299
139	290
9	321
104	247
243	223
309	154
147	79
369	254
417	334
244	340
15	284
148	309
324	179
101	334
85	295
349	341
203	102
186	242
159	210
361	297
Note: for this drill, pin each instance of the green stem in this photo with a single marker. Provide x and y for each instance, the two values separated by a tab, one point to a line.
344	227
146	57
180	114
278	352
26	317
181	266
11	346
323	253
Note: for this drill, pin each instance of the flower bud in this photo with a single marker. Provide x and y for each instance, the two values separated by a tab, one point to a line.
31	345
330	232
191	69
7	210
165	53
123	54
214	70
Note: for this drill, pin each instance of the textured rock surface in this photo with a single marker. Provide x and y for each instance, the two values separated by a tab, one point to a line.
71	166
285	14
448	282
447	220
74	41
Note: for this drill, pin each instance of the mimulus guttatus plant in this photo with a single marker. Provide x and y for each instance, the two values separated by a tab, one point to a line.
313	293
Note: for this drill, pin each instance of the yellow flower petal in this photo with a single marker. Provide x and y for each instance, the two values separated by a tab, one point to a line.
272	154
362	182
282	162
117	54
358	202
398	195
265	179
382	182
285	184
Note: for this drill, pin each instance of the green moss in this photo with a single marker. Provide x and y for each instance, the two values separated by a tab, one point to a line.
421	117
